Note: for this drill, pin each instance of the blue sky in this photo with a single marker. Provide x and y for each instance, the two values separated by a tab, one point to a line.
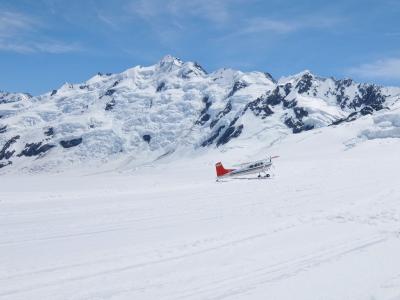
44	43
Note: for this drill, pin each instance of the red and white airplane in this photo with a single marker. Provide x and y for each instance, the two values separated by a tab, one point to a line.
259	166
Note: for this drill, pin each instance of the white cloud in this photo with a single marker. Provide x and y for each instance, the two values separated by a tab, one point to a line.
166	19
110	21
388	68
24	47
261	27
258	25
171	20
217	11
214	11
22	34
12	23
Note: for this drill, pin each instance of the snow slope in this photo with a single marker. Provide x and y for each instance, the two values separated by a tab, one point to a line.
122	120
326	226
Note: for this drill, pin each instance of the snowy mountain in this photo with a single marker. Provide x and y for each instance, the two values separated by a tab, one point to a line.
145	113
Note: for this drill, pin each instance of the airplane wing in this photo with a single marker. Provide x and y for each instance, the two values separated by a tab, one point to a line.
253	162
242	164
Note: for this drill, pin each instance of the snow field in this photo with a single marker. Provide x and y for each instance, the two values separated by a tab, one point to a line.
326	226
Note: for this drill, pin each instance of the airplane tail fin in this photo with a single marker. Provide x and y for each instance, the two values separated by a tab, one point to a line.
221	171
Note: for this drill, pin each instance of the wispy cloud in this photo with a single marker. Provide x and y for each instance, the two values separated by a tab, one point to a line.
21	33
259	25
170	20
109	21
12	23
388	68
24	47
215	11
267	25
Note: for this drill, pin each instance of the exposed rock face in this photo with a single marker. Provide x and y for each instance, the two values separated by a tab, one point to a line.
260	107
304	84
71	143
110	105
49	131
237	86
148	112
4	153
147	138
35	149
231	132
5	164
204	115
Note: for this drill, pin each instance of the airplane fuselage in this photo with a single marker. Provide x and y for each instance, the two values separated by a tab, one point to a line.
255	167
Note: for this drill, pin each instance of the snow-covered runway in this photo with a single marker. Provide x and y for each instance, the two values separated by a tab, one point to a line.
327	226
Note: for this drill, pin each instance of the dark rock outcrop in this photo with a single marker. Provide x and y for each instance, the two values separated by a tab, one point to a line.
4	164
212	138
370	95
110	105
221	114
110	92
275	97
200	68
204	115
305	83
300	112
34	149
49	131
297	126
260	107
367	110
203	119
269	76
4	154
230	133
147	138
289	103
238	85
160	87
71	143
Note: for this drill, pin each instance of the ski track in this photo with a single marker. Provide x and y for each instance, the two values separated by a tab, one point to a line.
277	271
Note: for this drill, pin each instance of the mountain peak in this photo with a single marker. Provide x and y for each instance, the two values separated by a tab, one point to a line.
304	72
169	62
297	76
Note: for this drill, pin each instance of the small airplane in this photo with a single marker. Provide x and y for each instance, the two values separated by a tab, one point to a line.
259	166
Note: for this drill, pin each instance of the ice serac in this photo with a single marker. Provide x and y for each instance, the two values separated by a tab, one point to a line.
6	97
145	113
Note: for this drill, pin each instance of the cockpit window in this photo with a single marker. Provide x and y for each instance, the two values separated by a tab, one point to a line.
256	165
